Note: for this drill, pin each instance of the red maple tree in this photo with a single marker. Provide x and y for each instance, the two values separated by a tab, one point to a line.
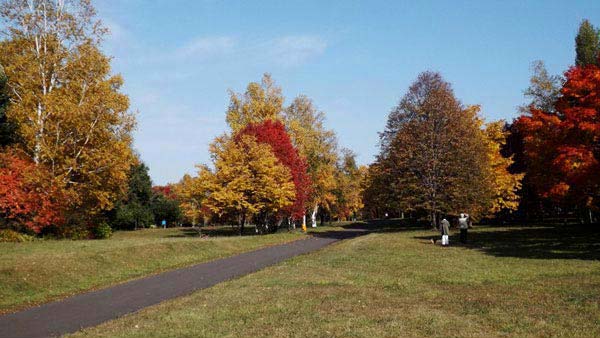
562	147
27	200
165	190
274	134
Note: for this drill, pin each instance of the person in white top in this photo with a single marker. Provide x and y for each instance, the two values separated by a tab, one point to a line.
463	225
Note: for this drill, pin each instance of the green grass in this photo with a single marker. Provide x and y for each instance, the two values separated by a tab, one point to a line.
520	282
43	270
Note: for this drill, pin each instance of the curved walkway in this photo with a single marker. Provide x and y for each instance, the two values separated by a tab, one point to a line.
92	308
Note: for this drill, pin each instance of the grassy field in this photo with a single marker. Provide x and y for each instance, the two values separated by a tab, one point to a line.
39	271
518	281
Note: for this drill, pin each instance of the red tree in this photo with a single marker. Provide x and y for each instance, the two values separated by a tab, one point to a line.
165	190
562	148
274	134
25	200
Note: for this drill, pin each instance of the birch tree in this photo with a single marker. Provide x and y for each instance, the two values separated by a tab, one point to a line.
70	112
318	145
261	101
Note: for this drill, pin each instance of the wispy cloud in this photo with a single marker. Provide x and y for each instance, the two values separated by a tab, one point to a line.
296	50
206	47
284	51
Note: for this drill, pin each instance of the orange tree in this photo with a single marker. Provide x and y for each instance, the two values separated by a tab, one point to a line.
562	146
27	203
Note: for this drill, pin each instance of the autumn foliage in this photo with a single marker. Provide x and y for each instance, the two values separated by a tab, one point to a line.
561	146
27	201
274	134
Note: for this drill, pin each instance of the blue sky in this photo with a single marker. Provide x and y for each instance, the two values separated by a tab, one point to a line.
355	59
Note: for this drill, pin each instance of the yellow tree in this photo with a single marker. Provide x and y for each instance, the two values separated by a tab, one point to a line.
349	186
504	184
192	193
261	101
71	115
247	181
319	146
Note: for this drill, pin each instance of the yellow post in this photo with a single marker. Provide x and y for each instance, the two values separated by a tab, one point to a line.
304	223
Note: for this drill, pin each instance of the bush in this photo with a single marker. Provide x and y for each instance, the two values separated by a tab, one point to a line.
75	227
14	237
102	231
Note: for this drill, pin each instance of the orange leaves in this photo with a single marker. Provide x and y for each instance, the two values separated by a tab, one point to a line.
27	199
560	146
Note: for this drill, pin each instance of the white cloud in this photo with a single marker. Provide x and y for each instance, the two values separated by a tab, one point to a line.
285	51
297	49
206	47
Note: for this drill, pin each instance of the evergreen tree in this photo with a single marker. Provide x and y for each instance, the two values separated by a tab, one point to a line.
165	209
587	44
136	210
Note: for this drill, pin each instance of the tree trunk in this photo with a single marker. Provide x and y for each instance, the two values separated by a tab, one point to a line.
313	217
242	223
433	219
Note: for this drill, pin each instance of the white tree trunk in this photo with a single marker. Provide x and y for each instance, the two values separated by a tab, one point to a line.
313	217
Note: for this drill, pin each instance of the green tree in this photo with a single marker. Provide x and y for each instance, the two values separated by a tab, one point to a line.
164	208
135	210
587	44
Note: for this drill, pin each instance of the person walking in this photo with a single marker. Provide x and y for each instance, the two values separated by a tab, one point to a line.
445	230
463	225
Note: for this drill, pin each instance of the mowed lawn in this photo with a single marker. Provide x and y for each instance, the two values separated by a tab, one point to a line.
39	271
517	281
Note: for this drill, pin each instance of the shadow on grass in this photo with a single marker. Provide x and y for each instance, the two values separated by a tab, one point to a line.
213	231
374	226
536	242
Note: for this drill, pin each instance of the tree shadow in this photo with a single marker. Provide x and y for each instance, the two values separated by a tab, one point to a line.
535	242
214	231
373	226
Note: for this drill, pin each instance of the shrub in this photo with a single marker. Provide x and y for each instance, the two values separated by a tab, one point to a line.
14	237
102	231
28	200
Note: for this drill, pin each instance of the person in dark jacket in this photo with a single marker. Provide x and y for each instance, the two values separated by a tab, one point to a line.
445	230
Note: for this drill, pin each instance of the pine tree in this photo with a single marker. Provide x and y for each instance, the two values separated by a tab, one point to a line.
587	45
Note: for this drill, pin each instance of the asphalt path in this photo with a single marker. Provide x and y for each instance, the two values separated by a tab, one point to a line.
92	308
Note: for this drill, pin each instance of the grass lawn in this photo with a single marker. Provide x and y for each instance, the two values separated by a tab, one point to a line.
39	271
517	281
